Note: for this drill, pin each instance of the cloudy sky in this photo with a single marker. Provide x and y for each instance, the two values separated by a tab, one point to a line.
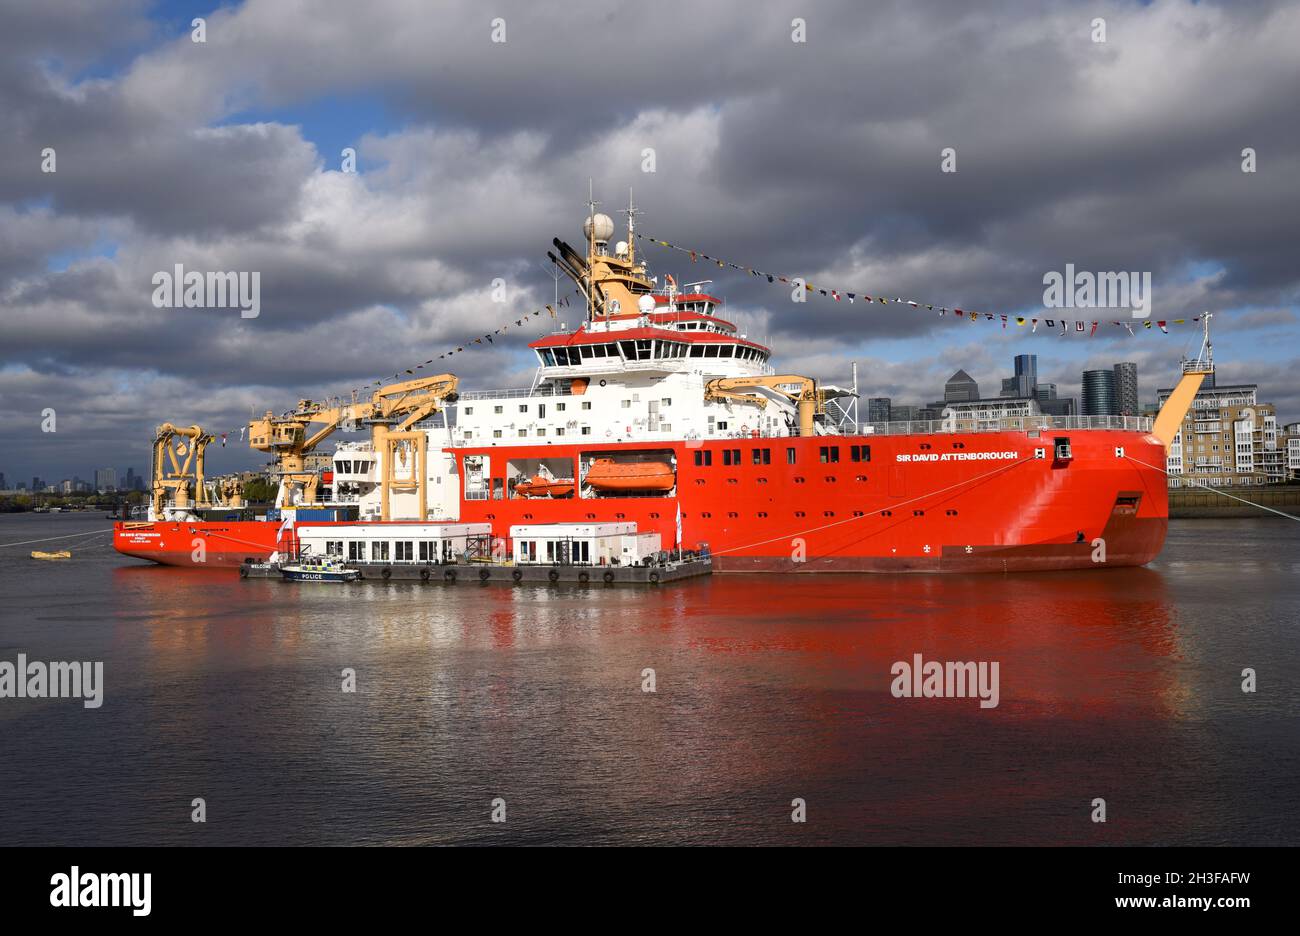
819	158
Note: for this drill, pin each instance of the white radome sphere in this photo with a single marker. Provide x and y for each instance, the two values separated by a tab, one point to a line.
620	249
604	225
646	304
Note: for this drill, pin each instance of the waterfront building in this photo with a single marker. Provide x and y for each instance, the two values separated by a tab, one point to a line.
1024	383
1051	404
1099	393
1289	442
1227	438
996	408
961	388
878	409
1126	389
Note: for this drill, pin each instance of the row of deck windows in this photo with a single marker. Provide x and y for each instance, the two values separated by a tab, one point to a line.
379	550
829	454
646	349
541	408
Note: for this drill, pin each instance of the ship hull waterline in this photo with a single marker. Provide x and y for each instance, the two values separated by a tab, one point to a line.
1001	502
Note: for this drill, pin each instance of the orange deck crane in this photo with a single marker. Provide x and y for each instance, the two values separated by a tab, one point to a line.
178	467
290	437
807	399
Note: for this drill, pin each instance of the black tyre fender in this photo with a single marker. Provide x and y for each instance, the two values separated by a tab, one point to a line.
449	575
608	577
484	575
424	575
584	577
553	575
654	578
243	571
517	575
386	573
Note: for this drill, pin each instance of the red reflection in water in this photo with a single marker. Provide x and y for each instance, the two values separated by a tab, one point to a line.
769	686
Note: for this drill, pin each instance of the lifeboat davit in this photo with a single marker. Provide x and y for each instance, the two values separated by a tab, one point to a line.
605	474
538	486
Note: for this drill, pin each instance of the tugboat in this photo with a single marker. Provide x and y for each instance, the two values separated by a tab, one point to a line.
318	569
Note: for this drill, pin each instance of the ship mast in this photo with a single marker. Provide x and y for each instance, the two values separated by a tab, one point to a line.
591	251
631	212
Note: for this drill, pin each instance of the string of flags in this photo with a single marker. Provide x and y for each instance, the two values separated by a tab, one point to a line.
469	344
1066	326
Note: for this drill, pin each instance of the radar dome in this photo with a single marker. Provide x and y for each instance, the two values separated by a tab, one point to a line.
604	227
646	304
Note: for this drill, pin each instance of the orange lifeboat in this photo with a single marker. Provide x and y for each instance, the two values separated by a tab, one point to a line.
607	475
538	486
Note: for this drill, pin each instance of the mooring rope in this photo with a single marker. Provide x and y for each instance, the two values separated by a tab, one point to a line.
49	539
1208	487
826	526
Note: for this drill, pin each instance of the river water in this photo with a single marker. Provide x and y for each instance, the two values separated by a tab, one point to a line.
1117	684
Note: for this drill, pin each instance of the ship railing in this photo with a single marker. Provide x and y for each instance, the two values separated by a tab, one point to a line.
513	394
1000	424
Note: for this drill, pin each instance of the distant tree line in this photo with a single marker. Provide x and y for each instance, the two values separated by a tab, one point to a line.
18	503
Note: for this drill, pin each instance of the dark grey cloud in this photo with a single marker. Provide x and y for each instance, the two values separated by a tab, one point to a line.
817	159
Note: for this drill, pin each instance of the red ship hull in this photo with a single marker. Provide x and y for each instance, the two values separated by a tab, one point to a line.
945	502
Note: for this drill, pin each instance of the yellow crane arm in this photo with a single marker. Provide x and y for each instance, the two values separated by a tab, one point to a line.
734	396
806	399
286	437
178	466
1171	415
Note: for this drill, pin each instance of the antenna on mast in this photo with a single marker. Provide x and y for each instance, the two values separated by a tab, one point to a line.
591	248
631	211
556	275
1204	363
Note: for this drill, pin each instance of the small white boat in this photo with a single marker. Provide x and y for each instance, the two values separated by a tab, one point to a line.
318	569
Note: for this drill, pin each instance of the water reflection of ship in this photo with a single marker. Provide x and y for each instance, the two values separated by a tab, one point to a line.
792	682
1061	638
